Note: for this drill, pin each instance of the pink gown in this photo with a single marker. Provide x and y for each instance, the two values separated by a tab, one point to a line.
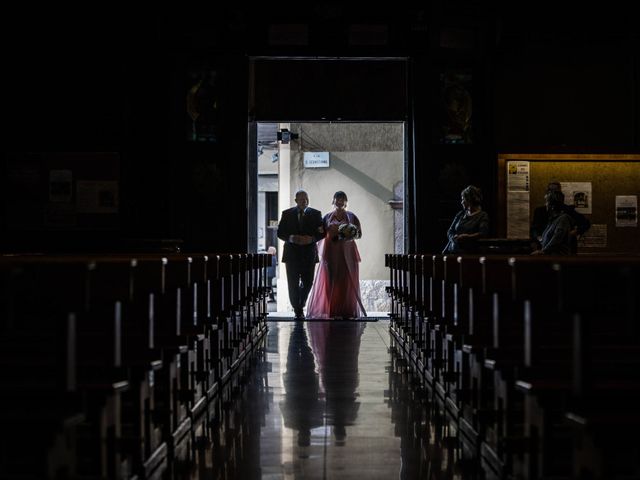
336	287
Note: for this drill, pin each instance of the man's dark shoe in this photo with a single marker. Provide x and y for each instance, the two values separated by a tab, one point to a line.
299	314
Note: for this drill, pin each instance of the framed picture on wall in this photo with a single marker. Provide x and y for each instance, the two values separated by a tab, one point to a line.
202	101
455	109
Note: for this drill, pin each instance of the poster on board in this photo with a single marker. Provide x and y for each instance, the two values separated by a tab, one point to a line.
97	196
626	210
60	186
595	237
578	194
518	185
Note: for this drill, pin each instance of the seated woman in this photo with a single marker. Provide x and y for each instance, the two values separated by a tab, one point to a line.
469	224
336	288
555	238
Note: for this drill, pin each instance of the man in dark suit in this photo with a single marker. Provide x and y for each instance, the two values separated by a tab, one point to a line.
579	223
300	228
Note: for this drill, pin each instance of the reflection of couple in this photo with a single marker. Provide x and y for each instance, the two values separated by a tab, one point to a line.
336	290
301	408
336	347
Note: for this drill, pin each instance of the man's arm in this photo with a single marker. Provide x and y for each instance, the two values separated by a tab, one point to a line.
283	233
559	237
581	222
288	235
539	222
318	234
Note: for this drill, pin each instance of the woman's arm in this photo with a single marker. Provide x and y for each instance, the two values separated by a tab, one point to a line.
356	222
479	228
483	227
451	233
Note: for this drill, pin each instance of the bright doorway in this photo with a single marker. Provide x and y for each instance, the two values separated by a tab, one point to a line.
365	160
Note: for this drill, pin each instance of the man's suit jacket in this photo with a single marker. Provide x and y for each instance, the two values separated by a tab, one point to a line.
311	220
541	220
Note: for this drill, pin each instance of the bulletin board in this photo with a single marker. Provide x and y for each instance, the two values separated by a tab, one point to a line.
61	191
606	189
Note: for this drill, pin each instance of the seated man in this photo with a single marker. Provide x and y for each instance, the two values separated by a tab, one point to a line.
580	224
555	238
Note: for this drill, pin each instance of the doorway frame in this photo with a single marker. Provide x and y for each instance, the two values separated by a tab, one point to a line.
409	197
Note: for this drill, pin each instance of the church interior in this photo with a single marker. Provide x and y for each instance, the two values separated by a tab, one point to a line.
148	155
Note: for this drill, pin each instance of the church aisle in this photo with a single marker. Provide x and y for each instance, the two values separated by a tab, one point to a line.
328	400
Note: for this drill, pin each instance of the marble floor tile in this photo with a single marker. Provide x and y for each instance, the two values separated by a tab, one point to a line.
329	400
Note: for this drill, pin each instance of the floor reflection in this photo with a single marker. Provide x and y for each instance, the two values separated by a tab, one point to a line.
336	347
430	445
328	400
301	408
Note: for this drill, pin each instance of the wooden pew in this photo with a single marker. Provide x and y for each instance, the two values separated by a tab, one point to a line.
37	362
130	349
59	287
548	379
142	431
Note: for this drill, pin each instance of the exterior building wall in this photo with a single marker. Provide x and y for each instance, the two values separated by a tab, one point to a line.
367	163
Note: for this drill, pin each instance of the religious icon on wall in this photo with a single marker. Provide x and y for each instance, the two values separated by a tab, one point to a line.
456	108
202	104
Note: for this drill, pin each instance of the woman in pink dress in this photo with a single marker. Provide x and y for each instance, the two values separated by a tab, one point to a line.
336	288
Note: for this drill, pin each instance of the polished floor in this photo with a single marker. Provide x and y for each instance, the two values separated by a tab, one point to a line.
329	400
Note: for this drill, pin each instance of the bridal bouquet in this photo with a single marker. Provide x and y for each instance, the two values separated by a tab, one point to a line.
347	231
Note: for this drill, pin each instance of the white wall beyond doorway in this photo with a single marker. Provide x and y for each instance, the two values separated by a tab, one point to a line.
366	162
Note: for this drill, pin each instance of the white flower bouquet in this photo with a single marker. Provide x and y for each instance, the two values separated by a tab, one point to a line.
348	231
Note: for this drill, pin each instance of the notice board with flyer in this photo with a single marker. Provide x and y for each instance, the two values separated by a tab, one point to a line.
62	191
604	188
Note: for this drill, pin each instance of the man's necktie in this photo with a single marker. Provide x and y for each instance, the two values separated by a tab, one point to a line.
300	214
